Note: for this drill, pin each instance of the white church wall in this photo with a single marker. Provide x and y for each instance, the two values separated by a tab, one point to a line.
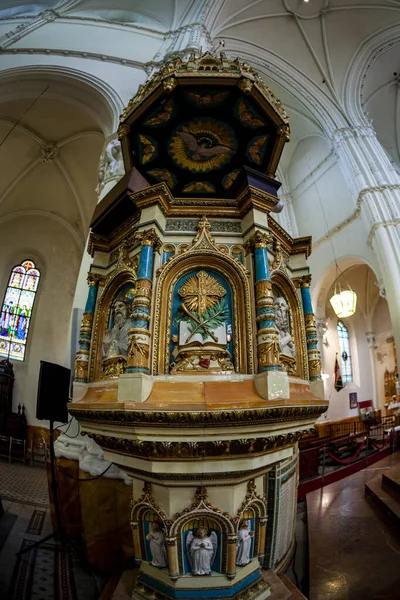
48	244
316	181
384	351
339	404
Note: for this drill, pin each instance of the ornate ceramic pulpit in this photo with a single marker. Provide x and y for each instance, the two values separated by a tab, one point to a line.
198	367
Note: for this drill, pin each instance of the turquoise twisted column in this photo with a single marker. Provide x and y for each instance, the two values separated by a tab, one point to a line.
139	335
313	354
267	335
85	334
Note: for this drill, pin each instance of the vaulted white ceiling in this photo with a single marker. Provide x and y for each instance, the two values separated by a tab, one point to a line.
320	40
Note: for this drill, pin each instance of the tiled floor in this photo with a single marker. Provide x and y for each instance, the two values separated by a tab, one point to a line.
23	489
354	555
24	483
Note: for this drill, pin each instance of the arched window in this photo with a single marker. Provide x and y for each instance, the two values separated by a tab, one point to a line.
17	310
345	356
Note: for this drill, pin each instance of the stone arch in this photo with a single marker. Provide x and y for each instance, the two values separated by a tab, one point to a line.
364	58
83	89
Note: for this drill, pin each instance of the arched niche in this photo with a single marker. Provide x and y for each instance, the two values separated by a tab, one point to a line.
121	284
211	260
295	365
214	522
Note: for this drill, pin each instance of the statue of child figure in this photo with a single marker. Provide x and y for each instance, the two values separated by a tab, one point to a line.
243	545
158	548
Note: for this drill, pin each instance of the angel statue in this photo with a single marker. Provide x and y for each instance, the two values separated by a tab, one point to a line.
158	548
201	550
243	545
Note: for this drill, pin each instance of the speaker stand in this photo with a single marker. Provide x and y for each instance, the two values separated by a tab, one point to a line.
59	534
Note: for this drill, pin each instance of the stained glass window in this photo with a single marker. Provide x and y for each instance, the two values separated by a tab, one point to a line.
345	356
17	310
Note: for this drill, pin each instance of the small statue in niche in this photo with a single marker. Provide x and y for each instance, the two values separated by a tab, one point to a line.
243	545
282	324
158	548
201	550
115	340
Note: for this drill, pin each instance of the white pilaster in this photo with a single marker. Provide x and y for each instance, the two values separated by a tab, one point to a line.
372	347
376	185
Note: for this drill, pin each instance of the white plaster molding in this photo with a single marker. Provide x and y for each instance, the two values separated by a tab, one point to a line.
77	54
366	55
191	35
79	203
35	22
46	214
19	177
356	214
382	291
24	129
376	226
90	457
48	152
79	136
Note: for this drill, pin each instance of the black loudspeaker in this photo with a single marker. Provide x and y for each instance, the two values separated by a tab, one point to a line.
53	392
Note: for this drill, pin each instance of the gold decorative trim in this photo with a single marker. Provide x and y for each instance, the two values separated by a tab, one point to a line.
194	450
187	419
203	253
287	288
121	275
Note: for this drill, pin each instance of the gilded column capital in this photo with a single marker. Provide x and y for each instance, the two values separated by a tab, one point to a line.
149	238
246	85
123	130
93	279
258	240
302	282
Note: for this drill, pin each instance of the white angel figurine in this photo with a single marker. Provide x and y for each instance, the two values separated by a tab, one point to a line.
201	550
157	546
243	545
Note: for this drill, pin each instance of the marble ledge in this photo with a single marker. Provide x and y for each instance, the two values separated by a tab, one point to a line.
184	395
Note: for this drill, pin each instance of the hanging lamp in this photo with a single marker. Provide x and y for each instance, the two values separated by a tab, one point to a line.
343	302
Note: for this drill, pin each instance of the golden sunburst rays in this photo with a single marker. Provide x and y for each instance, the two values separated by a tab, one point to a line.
200	292
199	186
202	145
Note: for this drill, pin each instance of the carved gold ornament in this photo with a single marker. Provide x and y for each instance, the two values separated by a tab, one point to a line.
200	292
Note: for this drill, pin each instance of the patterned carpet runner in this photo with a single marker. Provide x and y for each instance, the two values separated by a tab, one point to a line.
45	572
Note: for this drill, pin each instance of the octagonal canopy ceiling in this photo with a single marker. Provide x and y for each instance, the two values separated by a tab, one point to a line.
197	122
